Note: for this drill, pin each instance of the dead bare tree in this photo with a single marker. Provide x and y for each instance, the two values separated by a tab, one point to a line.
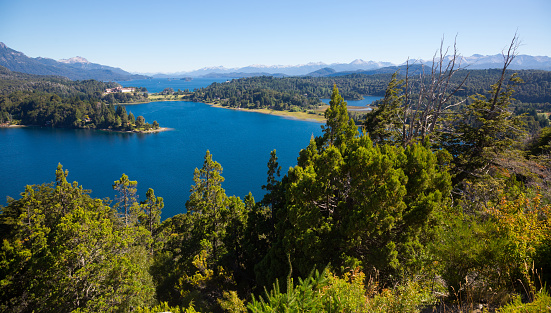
424	105
422	113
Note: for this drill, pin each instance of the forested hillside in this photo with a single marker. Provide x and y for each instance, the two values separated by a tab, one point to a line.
59	102
305	92
421	210
15	81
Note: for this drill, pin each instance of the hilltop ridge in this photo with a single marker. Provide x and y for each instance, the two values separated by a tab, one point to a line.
77	68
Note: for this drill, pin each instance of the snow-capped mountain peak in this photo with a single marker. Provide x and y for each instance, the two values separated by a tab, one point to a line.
74	60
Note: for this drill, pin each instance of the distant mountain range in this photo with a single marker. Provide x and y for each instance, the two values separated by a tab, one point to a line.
77	68
277	70
521	62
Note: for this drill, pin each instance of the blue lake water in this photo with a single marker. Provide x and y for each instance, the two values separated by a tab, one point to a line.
240	141
367	100
159	84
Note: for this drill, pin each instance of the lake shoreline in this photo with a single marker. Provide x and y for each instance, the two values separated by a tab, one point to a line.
151	131
15	126
302	116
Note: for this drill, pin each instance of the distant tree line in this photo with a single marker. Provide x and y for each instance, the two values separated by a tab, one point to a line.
305	92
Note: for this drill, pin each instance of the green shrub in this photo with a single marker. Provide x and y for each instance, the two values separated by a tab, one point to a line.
541	303
327	292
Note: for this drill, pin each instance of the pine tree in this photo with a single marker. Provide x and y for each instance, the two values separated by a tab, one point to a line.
127	199
339	127
383	123
272	186
150	217
207	202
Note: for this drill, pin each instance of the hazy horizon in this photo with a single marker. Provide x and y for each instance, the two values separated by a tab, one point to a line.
304	64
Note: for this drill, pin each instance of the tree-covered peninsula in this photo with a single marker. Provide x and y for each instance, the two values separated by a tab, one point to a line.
420	211
303	94
288	92
59	102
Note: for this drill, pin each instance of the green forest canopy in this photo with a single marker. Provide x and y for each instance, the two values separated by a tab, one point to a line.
363	215
59	102
418	203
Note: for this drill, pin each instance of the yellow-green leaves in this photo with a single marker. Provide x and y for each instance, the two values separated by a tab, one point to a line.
65	251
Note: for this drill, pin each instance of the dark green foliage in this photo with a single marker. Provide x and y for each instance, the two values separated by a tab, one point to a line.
273	186
383	122
59	102
208	203
176	235
542	263
351	203
149	216
204	254
340	128
290	93
542	144
140	121
167	91
303	93
532	120
466	247
43	109
485	128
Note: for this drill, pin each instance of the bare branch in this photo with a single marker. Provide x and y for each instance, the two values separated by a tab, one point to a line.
507	60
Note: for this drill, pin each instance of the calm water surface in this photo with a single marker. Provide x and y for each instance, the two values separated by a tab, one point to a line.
240	141
367	100
159	84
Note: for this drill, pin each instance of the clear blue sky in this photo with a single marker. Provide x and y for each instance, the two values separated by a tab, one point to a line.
173	36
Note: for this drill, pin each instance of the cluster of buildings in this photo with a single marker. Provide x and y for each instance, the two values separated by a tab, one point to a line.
120	89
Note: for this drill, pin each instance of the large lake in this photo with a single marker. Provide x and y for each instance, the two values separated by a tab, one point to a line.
159	84
240	141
